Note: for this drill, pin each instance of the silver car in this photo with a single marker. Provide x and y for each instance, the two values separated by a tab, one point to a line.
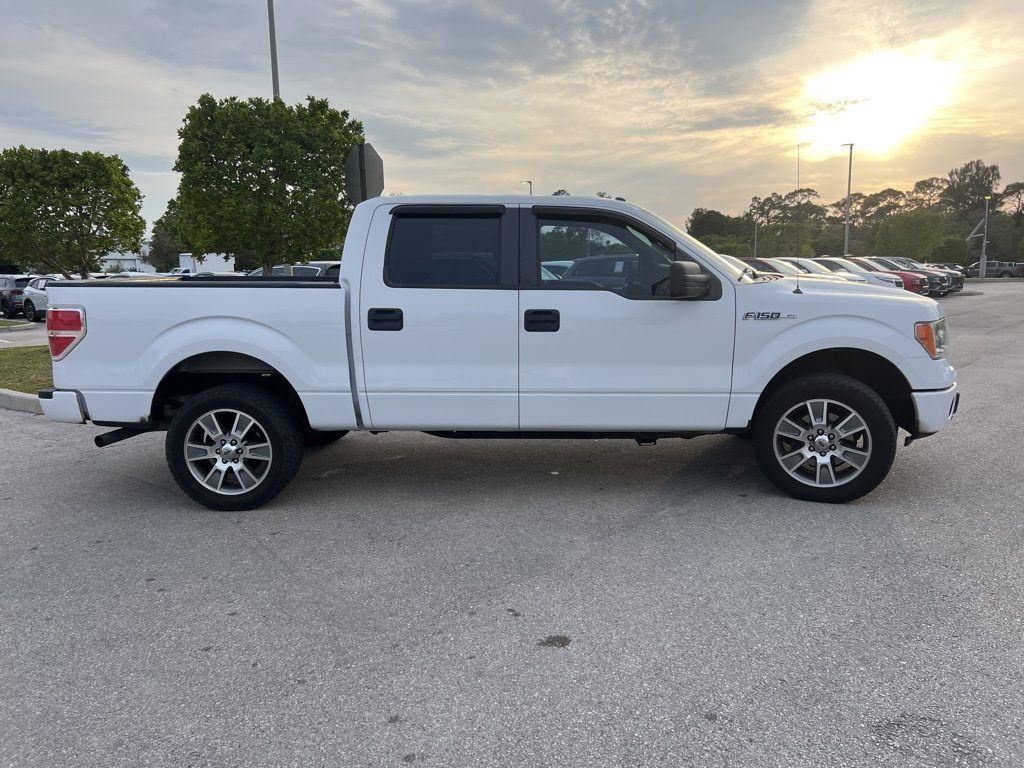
842	266
33	299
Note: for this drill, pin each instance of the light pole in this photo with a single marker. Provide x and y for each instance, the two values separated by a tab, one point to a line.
984	242
273	50
530	182
849	185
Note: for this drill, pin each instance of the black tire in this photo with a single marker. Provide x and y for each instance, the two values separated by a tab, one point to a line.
274	419
9	311
315	437
845	390
30	311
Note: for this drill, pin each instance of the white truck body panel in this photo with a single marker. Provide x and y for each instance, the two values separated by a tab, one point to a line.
463	360
137	333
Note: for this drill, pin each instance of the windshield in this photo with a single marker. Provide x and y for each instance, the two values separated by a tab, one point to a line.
849	266
813	266
833	265
784	267
732	267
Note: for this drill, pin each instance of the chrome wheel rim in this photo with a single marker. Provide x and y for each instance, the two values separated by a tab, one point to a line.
822	443
228	451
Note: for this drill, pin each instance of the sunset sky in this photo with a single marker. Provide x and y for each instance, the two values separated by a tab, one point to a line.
670	104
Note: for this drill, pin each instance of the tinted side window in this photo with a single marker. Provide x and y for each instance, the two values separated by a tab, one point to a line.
443	252
334	271
602	254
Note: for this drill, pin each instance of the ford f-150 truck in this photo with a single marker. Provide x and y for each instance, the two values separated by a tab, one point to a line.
444	320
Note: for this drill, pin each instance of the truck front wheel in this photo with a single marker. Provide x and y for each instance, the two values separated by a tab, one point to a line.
826	437
233	447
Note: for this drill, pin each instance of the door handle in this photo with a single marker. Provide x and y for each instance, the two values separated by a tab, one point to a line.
379	319
542	320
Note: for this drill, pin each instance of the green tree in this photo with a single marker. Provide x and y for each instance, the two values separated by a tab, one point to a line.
560	193
927	193
1012	201
1020	250
707	221
969	185
731	245
166	242
264	180
951	249
64	210
914	235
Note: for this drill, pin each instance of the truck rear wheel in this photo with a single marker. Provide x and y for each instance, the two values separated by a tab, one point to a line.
233	447
825	437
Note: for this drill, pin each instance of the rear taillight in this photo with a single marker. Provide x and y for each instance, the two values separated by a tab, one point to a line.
17	292
65	327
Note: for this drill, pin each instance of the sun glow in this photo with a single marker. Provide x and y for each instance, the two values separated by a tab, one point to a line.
878	101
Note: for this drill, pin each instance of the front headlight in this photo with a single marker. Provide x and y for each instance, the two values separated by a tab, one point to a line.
933	336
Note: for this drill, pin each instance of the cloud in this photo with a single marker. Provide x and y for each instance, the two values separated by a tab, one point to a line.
672	104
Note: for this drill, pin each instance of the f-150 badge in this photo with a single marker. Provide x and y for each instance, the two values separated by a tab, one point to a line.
768	316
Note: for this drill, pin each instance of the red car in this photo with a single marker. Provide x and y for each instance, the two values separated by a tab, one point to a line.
914	282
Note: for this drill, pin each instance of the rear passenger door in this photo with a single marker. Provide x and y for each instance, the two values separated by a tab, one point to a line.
438	309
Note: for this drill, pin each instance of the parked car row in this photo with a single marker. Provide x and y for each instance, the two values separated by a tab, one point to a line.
892	272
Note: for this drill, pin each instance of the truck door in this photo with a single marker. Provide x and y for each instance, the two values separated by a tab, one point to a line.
603	347
438	307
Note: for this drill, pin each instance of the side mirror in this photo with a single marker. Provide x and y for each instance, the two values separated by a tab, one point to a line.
686	281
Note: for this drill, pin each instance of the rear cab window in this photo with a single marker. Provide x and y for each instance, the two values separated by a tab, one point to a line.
444	250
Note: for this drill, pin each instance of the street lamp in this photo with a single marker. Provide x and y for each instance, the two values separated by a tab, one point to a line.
530	182
849	185
984	242
273	50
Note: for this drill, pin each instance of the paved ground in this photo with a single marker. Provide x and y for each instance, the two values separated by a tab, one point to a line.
414	600
23	337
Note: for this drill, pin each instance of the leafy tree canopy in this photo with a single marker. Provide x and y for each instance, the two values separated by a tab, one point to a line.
264	180
913	235
62	211
166	242
968	186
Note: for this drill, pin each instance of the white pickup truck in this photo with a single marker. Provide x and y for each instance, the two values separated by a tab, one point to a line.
445	320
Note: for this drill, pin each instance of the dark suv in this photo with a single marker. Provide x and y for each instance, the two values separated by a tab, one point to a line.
11	287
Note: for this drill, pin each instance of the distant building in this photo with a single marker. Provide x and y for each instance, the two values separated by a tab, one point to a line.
207	262
125	262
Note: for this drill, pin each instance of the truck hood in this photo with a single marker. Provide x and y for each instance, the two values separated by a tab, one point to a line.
843	297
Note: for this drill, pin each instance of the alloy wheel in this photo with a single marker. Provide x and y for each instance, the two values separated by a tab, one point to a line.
822	443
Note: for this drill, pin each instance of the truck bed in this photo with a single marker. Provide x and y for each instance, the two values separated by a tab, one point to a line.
294	325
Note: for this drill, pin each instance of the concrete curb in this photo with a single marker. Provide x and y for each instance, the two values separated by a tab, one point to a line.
19	401
23	327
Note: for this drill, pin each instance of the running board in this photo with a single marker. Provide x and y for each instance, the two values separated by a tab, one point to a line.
117	435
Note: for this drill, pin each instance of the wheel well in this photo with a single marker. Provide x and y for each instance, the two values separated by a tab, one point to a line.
209	369
872	369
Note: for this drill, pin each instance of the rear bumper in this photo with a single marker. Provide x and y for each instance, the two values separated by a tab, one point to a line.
934	409
64	405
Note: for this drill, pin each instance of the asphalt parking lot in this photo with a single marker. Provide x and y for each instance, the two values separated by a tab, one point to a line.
561	603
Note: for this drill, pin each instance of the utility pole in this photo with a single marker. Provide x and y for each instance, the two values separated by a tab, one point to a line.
984	242
849	184
530	182
273	50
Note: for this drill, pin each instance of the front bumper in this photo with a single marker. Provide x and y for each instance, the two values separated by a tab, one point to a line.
64	405
934	409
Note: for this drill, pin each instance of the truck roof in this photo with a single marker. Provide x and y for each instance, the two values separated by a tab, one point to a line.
528	200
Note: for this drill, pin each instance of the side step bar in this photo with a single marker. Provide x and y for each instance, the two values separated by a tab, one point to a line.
117	435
